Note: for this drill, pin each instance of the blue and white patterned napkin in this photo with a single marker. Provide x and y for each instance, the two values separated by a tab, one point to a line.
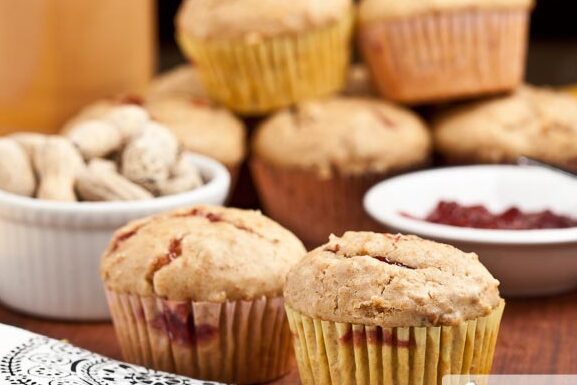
30	359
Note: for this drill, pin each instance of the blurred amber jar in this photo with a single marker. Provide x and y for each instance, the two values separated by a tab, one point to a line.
58	55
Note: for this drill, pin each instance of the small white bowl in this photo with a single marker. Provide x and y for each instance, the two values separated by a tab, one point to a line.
527	262
50	251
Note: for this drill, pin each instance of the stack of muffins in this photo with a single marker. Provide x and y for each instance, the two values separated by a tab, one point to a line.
230	295
326	130
225	294
331	131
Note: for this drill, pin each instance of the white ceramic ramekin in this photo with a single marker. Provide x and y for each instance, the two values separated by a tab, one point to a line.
50	251
527	262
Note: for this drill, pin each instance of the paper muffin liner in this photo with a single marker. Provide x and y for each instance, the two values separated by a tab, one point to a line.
313	207
330	353
256	76
445	55
242	342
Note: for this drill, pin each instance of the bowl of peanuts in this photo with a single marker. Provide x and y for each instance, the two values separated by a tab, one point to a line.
62	197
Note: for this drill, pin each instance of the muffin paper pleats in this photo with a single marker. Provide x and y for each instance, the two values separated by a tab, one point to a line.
330	353
234	342
255	77
484	50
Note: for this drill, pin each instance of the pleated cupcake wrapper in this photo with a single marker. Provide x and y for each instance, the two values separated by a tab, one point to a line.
447	55
330	353
313	207
256	76
239	342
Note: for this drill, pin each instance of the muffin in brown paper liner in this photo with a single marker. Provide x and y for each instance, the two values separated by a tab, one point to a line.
446	55
311	206
313	163
236	341
332	353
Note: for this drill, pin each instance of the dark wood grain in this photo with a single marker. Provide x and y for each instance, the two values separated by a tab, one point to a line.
538	336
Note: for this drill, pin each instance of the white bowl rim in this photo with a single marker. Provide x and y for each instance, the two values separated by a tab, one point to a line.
219	180
462	234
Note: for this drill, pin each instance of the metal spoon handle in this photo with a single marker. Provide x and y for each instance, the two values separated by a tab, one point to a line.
527	161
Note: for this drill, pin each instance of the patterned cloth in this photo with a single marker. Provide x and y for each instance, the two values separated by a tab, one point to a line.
31	359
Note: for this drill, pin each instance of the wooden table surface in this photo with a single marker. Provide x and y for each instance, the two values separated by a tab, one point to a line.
538	336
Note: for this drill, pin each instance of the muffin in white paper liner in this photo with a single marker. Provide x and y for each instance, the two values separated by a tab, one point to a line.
234	341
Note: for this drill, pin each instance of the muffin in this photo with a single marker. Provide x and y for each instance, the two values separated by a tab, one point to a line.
313	164
198	292
255	56
181	82
203	128
373	308
533	122
425	51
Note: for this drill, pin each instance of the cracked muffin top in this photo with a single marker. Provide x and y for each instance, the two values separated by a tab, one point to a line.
391	281
535	122
203	253
351	136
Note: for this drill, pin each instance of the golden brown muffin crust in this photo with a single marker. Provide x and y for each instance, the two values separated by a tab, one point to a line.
349	135
203	253
391	281
534	122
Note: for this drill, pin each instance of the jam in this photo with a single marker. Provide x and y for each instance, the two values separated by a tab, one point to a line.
479	217
178	321
376	336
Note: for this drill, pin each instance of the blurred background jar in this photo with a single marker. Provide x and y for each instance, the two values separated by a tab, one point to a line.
58	55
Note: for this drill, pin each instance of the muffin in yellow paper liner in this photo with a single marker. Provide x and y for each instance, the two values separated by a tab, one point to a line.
235	341
342	353
446	55
198	291
374	308
256	76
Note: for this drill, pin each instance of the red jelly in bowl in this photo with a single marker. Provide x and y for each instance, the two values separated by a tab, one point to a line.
479	217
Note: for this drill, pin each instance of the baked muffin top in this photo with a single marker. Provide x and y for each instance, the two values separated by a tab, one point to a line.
348	135
203	253
202	127
180	82
534	122
257	18
391	281
372	10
